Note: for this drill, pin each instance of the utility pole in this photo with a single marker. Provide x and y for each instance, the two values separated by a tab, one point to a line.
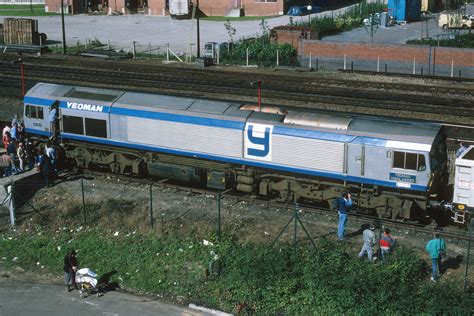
62	23
198	45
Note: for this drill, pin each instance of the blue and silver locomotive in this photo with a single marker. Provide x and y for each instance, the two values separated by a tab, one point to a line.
393	168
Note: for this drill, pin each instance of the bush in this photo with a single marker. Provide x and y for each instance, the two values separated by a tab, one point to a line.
261	52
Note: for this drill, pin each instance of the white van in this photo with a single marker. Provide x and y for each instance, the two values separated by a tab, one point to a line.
454	21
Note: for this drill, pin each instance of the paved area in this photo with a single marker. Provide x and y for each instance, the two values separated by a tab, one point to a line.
146	30
398	34
122	31
17	298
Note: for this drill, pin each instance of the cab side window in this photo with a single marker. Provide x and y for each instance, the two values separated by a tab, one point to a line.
34	112
409	161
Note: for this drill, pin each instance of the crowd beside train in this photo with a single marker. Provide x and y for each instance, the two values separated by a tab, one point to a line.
19	153
436	247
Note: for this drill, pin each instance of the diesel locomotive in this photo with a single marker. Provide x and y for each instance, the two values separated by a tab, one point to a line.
395	169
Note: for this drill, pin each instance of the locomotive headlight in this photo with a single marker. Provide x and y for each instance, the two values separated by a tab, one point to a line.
461	207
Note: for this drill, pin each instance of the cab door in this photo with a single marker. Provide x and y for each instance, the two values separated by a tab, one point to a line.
36	118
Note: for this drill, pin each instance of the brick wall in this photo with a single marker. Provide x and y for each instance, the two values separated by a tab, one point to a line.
156	7
216	7
365	51
458	56
252	8
73	6
368	51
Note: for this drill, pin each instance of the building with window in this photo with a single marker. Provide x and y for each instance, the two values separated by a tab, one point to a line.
161	7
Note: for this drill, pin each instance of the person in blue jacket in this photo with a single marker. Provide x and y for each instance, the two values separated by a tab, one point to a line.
344	203
436	248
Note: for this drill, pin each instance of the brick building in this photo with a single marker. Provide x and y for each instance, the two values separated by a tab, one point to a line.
160	7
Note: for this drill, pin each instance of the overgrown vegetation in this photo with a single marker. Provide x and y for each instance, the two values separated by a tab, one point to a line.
244	278
345	22
261	51
459	40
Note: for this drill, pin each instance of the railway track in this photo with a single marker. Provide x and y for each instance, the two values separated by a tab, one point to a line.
305	92
457	233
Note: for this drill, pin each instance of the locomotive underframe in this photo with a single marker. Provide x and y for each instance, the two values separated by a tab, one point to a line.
385	202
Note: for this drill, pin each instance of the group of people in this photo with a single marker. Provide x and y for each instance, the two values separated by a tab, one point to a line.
436	247
21	154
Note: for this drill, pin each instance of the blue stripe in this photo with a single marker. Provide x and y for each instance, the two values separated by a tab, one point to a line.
369	141
179	118
233	161
38	101
290	131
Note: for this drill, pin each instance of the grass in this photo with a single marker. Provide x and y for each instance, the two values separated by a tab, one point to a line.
243	278
23	10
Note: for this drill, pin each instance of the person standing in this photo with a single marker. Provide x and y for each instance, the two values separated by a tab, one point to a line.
436	248
462	148
70	269
386	243
344	203
43	165
11	150
22	156
54	119
369	241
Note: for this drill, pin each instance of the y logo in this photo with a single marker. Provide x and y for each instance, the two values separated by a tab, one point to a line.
258	141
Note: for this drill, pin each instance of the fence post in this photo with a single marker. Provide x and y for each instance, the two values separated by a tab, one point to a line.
247	56
378	63
452	68
414	65
422	71
168	52
317	64
471	228
345	61
385	68
134	50
352	65
219	216
278	58
83	201
11	203
459	73
151	205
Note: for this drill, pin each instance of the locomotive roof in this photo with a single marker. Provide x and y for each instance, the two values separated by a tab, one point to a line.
415	132
155	102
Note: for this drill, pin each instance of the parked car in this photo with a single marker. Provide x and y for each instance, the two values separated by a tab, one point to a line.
299	10
454	21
